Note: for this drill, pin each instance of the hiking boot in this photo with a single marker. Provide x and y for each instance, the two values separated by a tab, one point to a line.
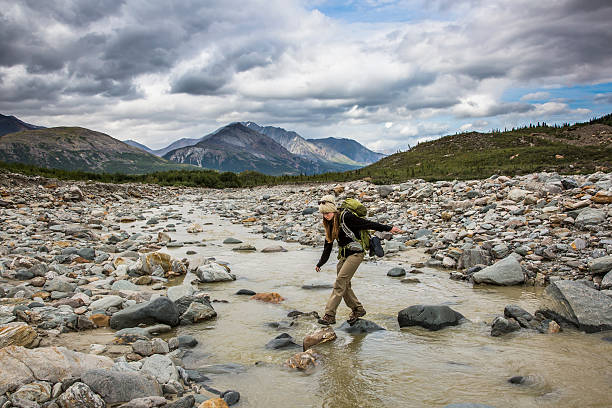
327	320
356	314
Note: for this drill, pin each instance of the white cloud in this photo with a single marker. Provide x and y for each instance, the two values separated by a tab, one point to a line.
535	96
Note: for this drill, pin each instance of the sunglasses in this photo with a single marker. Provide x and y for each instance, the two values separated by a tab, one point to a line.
325	202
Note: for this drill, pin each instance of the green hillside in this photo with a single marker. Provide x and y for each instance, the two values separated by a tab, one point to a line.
79	149
579	148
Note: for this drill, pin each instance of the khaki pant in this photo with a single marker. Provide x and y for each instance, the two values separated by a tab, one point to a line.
342	287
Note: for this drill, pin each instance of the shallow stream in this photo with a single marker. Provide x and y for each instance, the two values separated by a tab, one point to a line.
411	367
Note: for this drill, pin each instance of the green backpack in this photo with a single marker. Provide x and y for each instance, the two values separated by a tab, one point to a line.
359	210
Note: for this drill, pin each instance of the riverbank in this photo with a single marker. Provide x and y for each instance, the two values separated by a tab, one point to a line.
76	259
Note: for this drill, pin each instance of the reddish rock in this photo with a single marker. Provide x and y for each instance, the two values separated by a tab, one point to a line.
304	361
271	297
602	197
214	403
100	320
318	337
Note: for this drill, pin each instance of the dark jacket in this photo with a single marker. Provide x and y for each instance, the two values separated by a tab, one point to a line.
355	224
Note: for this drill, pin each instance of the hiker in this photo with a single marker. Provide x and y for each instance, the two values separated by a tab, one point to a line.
345	227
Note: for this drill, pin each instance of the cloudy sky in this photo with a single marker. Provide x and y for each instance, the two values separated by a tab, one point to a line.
388	73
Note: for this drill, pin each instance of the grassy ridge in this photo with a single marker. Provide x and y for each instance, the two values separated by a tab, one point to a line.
564	149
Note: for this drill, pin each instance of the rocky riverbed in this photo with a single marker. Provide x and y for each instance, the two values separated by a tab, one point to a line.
72	263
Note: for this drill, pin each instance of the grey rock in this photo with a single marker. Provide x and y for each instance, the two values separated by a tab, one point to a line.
230	397
384	191
506	272
87	253
160	367
523	317
500	251
576	303
272	249
317	284
601	265
472	257
232	241
106	302
360	326
38	391
606	282
198	312
59	285
309	210
431	317
143	348
396	272
281	342
590	216
246	292
214	272
184	402
187	341
159	310
124	285
176	292
115	387
501	326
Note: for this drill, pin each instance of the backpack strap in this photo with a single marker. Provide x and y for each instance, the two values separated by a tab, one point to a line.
346	229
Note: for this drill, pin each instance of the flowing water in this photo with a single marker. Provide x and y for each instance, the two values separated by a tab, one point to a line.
410	367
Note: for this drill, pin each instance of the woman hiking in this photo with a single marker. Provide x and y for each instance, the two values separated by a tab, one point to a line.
350	255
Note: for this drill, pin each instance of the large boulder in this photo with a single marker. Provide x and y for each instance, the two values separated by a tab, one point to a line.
160	367
159	310
120	386
578	304
431	317
506	272
22	366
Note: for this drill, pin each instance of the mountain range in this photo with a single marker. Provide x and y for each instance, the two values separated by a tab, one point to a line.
237	147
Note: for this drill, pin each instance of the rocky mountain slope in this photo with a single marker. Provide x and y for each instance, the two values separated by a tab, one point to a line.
76	148
10	124
296	144
238	148
355	151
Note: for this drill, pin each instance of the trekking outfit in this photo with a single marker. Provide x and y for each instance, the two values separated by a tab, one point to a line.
350	254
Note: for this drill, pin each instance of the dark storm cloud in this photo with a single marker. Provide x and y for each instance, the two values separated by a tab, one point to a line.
75	12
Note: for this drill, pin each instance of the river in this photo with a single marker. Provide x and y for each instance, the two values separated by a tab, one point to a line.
410	367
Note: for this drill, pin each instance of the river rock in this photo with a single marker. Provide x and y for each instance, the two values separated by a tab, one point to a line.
431	317
317	284
396	272
230	396
606	282
198	312
17	334
53	364
506	272
282	341
159	310
472	257
501	326
232	241
271	297
176	292
360	326
245	248
153	260
59	285
124	285
160	367
523	317
79	395
320	336
590	216
576	303
246	292
120	386
304	361
213	272
601	265
106	302
214	403
37	391
272	249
